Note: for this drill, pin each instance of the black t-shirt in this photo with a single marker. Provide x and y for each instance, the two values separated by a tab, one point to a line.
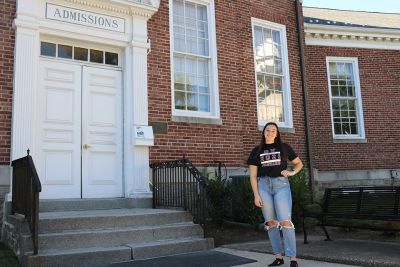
270	162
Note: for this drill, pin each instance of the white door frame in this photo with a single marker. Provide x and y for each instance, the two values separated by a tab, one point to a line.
31	24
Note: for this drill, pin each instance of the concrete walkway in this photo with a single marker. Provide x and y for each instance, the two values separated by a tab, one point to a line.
344	251
264	259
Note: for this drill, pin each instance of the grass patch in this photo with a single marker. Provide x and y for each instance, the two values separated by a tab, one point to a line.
7	257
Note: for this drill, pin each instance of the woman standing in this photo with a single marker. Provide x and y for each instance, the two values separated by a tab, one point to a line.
269	180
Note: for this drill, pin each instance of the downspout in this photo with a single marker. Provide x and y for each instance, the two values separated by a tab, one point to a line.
299	19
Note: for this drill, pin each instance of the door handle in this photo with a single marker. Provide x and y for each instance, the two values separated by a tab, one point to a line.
85	146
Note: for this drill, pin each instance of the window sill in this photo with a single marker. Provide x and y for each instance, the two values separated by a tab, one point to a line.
281	129
350	141
215	121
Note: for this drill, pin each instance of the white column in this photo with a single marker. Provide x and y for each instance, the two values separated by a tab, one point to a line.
140	164
25	82
25	87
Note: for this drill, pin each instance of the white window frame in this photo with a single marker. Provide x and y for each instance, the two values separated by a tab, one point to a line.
213	74
287	98
357	87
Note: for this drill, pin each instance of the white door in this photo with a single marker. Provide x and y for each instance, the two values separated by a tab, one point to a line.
101	133
79	133
58	155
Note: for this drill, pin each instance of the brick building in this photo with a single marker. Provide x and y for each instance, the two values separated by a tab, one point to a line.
353	76
216	71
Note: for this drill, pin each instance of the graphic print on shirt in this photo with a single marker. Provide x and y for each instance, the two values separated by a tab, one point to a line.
270	158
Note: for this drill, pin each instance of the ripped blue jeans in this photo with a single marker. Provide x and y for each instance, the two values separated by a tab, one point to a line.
277	199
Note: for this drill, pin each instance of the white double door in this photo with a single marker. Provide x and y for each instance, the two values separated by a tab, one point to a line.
79	131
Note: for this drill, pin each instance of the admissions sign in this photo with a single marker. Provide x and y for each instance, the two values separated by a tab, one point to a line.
81	17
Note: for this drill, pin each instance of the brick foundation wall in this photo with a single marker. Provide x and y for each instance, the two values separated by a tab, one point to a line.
7	13
232	141
380	93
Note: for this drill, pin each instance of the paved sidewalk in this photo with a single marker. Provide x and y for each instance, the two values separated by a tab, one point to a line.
264	259
345	251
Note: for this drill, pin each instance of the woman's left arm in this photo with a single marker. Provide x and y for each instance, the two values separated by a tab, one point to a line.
298	165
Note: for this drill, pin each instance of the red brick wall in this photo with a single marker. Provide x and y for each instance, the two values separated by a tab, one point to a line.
7	12
380	93
232	141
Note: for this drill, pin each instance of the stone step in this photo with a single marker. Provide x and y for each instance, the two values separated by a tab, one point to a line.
51	222
97	256
169	247
79	257
112	236
47	205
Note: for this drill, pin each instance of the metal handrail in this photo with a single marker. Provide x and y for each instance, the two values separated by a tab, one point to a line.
25	194
180	184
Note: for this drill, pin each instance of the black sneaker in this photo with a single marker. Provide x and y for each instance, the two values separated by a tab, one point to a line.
293	264
277	262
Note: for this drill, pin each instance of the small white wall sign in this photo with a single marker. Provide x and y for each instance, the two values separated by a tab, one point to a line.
142	135
81	17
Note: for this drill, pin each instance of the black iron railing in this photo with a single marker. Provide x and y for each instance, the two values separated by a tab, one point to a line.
25	194
179	184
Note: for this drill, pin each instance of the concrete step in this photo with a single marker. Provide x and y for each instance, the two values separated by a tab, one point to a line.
95	256
51	222
112	236
80	257
47	205
169	247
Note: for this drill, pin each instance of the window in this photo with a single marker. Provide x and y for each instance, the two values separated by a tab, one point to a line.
193	59
78	53
345	98
272	73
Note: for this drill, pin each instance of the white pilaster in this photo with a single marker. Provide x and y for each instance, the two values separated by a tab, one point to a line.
25	83
139	45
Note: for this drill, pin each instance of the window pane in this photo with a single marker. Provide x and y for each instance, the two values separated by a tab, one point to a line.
96	56
278	67
203	67
259	43
202	13
278	84
178	7
204	103
332	69
338	128
192	102
203	85
179	64
335	90
179	43
353	128
48	49
65	51
346	128
112	58
270	113
81	53
180	100
267	36
276	37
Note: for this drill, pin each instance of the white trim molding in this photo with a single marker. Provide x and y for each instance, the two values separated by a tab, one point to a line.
287	98
357	37
360	137
212	116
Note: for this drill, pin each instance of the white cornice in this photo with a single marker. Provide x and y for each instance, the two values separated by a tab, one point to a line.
129	7
330	35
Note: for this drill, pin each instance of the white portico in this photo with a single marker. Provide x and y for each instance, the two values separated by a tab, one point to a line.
80	96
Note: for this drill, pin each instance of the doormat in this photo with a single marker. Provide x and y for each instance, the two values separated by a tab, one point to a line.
196	259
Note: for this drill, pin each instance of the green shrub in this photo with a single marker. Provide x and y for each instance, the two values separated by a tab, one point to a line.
219	198
243	208
301	194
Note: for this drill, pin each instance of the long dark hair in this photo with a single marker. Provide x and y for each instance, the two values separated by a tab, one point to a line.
277	142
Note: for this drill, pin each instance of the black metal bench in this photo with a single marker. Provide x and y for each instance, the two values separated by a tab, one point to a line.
358	203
